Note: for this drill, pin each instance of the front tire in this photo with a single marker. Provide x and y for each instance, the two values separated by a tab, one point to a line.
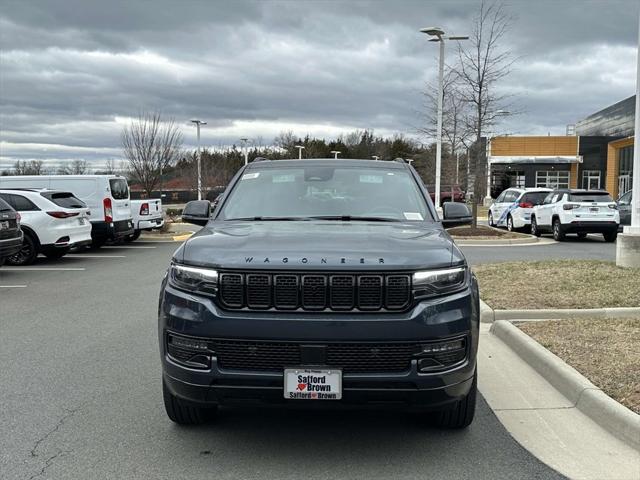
184	414
558	234
490	220
610	236
27	254
534	227
510	226
461	413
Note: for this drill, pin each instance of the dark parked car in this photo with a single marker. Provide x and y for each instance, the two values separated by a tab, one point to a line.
448	193
10	233
624	207
325	282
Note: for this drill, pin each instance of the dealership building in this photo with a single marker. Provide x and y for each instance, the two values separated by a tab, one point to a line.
596	154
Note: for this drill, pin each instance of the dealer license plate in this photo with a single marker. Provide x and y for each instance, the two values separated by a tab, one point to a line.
312	384
4	225
594	209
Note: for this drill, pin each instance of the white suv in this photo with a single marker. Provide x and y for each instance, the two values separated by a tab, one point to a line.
53	221
512	208
576	211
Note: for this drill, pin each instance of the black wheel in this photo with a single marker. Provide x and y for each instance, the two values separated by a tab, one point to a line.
510	224
56	253
558	233
27	254
184	414
534	227
461	413
98	242
2	259
582	235
133	237
610	236
490	220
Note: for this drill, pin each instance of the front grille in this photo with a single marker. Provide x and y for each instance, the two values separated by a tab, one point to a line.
337	292
350	357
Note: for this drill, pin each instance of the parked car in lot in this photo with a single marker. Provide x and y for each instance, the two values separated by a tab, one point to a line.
107	197
147	215
576	211
448	193
52	221
321	281
10	232
512	208
624	207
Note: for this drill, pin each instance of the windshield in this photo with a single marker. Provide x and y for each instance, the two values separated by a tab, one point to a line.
591	197
119	188
327	191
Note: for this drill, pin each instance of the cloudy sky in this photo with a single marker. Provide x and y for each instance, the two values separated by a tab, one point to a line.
73	72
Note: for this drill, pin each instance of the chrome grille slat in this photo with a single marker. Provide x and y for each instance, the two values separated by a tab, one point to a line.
315	291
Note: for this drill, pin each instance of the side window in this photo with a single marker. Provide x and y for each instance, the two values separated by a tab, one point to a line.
501	197
557	197
625	199
548	199
19	203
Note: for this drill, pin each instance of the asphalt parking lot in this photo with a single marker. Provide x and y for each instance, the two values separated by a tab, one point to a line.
81	396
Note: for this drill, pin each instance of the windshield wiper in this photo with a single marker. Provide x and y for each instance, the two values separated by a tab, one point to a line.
268	219
349	218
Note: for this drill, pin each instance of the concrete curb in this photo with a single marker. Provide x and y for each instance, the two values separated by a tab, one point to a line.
498	242
487	314
589	399
565	313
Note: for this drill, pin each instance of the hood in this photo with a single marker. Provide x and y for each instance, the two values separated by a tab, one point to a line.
321	245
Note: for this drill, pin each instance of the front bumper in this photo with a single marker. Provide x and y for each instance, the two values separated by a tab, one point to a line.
10	246
436	319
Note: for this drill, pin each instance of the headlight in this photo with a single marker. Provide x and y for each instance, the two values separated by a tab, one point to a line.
194	279
430	283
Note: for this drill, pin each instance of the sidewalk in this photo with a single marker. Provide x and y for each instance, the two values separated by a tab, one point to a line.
545	422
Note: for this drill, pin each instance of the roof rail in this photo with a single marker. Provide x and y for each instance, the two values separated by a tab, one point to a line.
261	159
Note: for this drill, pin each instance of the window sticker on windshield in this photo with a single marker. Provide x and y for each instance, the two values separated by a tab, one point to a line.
370	178
250	176
413	216
283	178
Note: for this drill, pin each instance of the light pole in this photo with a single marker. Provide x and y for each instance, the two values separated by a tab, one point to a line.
300	148
438	36
198	124
628	244
245	142
488	199
336	153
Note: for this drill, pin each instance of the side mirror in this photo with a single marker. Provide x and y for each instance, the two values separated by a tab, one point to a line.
197	212
455	214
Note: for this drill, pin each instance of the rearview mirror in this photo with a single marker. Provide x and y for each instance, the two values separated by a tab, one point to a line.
455	214
197	212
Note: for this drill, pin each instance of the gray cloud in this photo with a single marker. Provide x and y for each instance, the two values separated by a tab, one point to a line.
73	72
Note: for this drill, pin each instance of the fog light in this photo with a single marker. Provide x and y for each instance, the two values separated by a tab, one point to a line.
443	346
190	352
188	343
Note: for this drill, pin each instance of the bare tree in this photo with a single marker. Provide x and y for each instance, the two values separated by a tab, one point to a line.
110	167
483	62
28	167
150	145
77	167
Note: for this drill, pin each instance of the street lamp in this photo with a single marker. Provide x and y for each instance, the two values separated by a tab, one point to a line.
300	148
375	157
487	198
245	142
336	153
438	36
198	124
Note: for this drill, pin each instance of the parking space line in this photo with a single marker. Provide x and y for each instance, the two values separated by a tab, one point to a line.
41	269
13	286
123	246
82	255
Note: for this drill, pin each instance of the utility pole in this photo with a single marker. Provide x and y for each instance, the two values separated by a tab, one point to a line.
198	124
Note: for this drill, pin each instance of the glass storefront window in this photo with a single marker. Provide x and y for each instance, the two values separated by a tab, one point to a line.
591	179
552	179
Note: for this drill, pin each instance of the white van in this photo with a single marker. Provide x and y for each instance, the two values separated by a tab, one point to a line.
107	197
